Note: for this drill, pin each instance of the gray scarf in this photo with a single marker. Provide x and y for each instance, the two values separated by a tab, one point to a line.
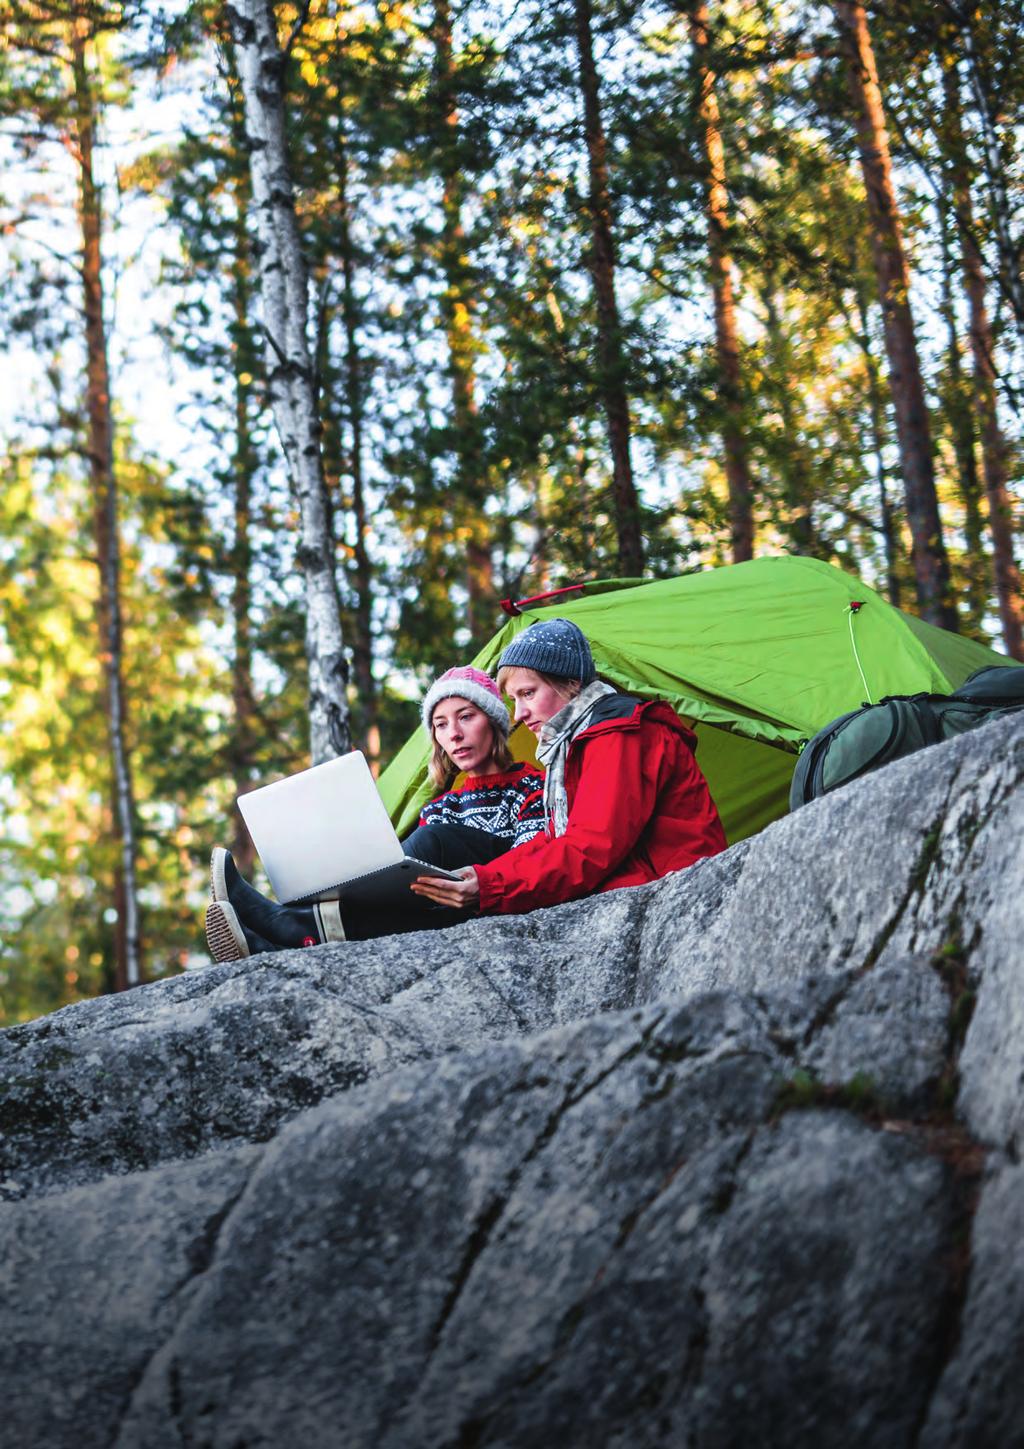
553	747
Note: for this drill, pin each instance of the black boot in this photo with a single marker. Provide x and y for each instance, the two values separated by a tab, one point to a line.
284	927
228	939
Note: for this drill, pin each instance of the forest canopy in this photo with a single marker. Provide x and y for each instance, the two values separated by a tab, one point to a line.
328	326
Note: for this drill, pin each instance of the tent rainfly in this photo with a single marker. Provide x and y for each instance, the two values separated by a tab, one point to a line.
756	656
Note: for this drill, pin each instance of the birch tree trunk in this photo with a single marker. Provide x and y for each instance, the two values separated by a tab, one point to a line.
737	468
931	564
105	521
284	292
993	442
611	358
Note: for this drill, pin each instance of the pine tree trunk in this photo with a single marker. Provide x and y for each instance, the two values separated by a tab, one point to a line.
457	315
242	749
362	642
797	482
105	524
993	443
876	405
284	293
994	464
931	564
960	414
889	531
1001	207
737	469
611	357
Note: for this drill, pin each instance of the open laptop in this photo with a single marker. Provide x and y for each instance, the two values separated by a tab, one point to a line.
325	833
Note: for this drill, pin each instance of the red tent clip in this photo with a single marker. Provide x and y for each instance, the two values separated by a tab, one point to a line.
513	607
856	605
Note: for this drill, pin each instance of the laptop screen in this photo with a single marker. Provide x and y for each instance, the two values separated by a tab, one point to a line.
321	827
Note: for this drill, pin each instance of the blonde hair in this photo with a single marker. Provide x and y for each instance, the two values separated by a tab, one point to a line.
443	769
567	688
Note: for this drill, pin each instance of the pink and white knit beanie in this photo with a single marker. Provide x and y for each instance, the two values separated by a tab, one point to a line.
467	683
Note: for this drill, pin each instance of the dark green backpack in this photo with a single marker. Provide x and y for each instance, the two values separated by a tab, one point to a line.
860	741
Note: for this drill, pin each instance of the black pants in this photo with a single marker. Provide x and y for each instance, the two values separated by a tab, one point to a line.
453	846
450	847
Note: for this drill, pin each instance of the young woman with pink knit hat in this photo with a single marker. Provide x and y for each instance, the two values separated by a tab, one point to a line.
467	723
498	806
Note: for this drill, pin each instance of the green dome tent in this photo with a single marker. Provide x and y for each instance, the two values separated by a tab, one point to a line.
756	656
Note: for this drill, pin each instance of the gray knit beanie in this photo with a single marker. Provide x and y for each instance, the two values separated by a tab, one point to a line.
551	646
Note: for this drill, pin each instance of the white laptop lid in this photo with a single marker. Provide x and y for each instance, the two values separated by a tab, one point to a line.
321	827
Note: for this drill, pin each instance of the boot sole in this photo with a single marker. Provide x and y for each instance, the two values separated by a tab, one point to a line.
224	934
218	883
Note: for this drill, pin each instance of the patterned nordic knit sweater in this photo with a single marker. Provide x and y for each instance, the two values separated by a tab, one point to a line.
509	805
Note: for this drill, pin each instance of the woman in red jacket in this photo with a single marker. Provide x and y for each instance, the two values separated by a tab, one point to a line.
624	798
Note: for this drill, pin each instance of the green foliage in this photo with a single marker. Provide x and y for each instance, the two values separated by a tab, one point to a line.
58	862
803	1092
440	171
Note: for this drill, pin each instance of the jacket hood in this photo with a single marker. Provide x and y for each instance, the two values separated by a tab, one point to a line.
627	712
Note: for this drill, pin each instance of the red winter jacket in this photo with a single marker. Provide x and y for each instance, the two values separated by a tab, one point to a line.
639	807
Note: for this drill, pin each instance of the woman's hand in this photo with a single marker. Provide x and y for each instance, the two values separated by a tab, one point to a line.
458	893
